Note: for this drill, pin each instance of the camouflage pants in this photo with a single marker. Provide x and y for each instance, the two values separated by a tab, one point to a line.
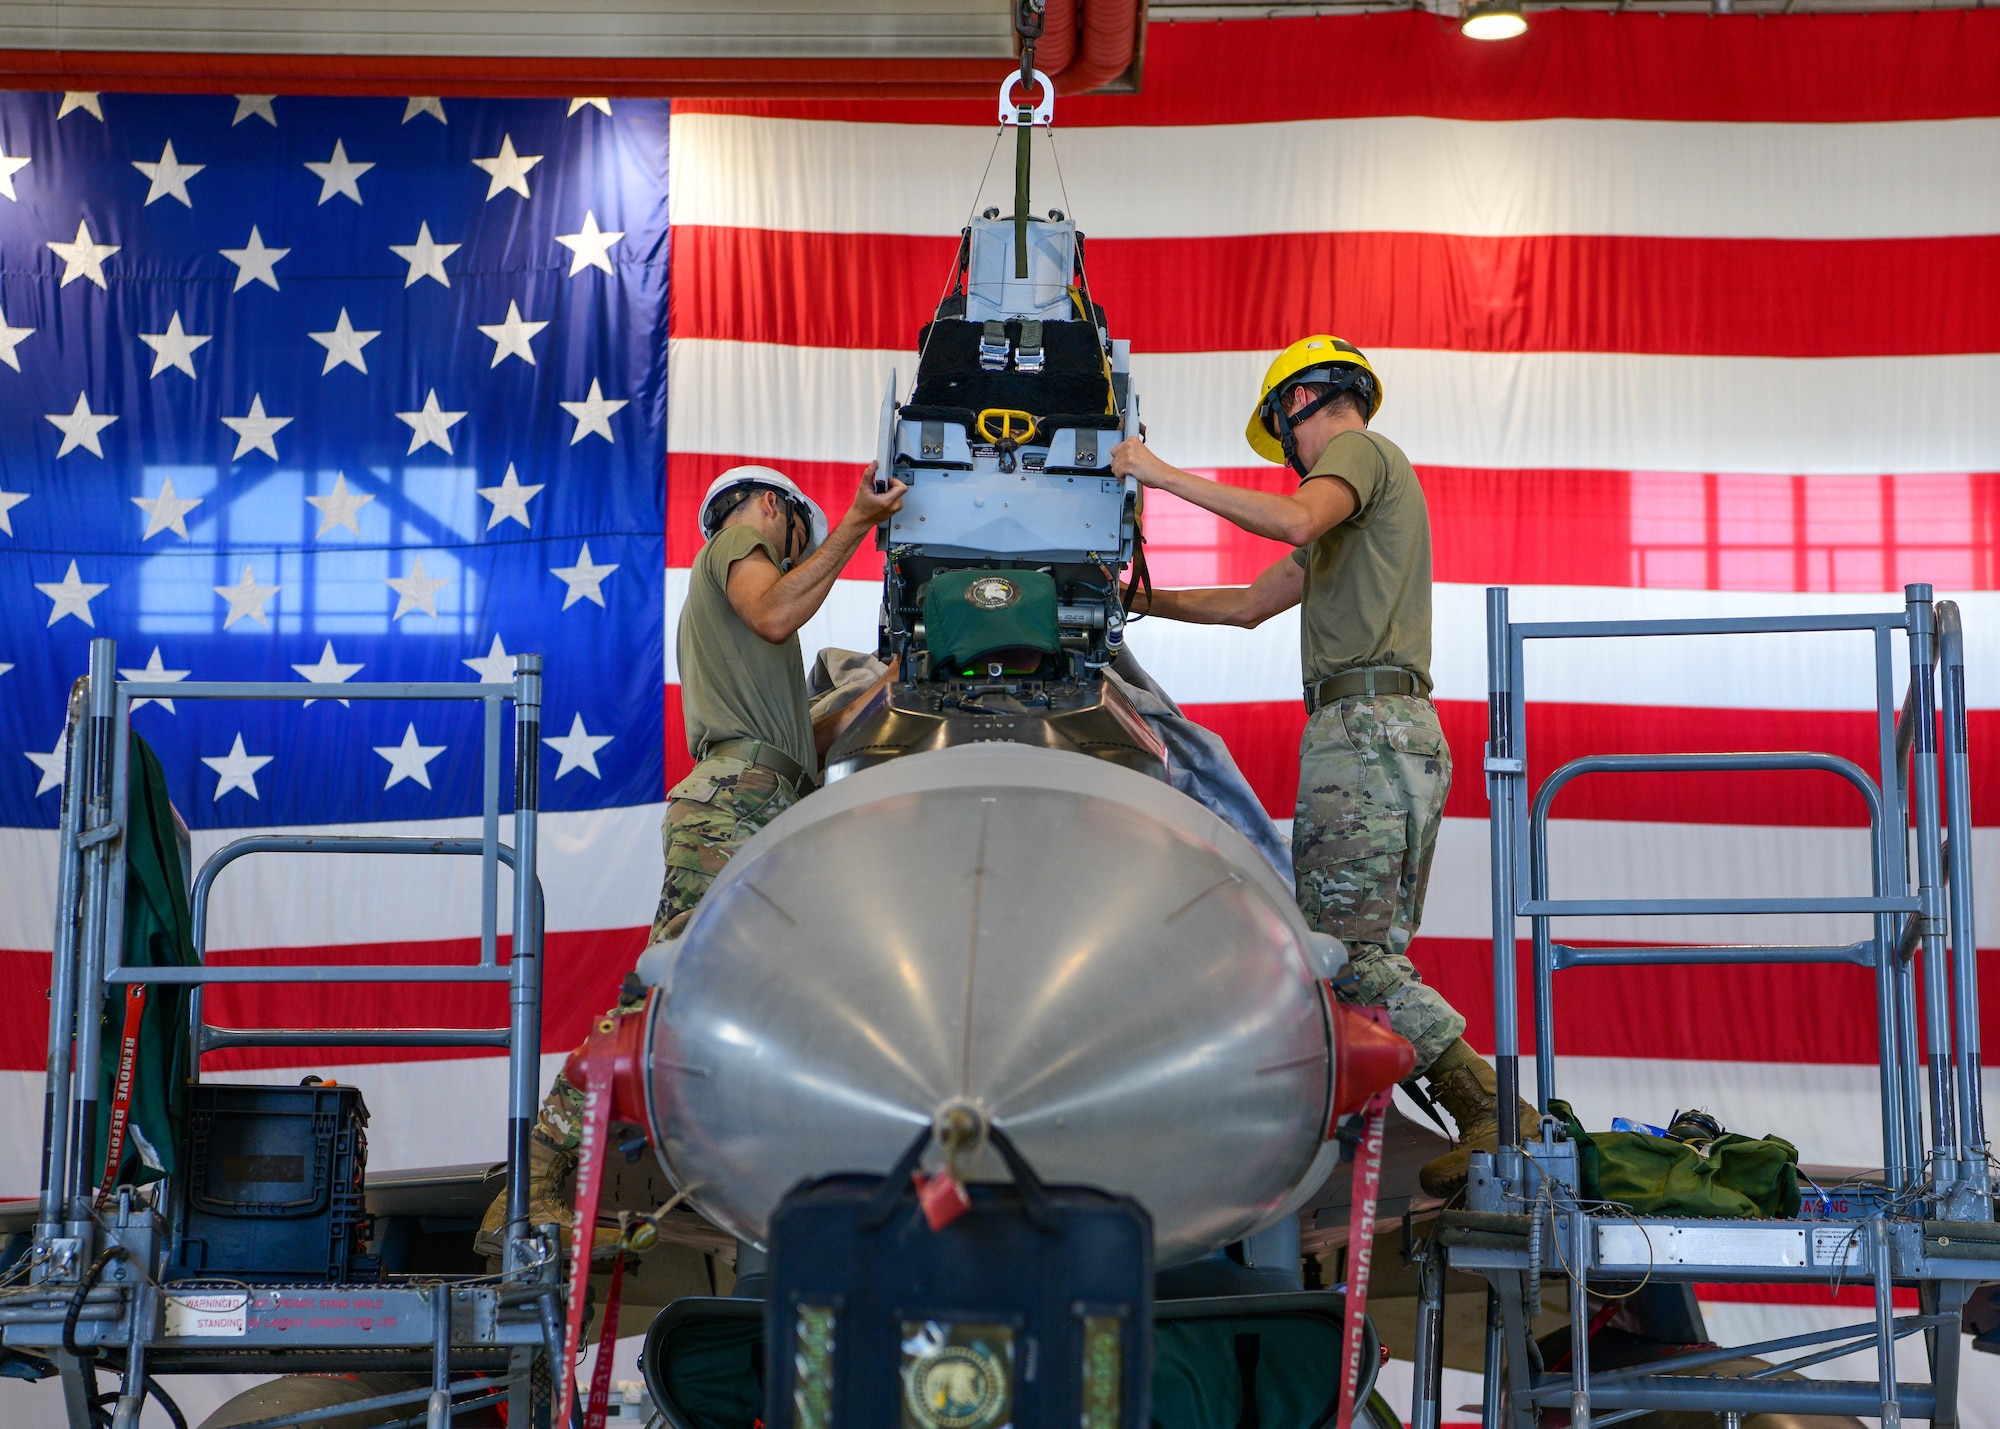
710	814
1373	773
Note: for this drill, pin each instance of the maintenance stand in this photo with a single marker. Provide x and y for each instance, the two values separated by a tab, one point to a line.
99	1291
1927	1223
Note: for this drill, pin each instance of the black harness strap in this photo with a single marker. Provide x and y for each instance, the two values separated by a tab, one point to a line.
792	519
1249	1350
1142	576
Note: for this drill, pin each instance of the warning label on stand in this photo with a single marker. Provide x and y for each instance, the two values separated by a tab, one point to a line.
226	1313
1838	1245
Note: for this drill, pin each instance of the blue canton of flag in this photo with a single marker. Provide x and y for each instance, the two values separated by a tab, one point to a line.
333	389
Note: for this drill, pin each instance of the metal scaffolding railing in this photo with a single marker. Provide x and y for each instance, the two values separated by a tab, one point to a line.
125	1245
1931	1222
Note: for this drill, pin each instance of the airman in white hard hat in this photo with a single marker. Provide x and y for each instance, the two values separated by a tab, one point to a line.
767	563
728	493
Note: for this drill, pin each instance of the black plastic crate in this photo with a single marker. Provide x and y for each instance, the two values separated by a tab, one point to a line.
271	1185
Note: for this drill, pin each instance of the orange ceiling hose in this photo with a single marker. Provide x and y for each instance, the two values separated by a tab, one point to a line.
1105	43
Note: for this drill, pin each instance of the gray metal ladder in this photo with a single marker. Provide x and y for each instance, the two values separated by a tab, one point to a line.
94	1279
1930	1224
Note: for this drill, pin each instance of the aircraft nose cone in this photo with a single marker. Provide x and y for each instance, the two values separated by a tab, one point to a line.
1097	963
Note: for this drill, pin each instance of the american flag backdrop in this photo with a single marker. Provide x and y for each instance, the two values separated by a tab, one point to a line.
337	389
1675	315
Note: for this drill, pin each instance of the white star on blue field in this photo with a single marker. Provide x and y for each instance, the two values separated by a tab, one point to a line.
342	390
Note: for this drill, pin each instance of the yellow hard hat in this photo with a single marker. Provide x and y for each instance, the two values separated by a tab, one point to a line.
1321	350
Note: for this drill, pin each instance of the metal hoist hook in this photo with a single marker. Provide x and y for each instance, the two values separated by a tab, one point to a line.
1028	17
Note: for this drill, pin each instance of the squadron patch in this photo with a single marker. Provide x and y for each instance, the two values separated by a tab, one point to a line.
957	1376
992	593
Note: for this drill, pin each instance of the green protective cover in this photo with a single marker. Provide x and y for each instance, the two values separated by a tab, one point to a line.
1734	1176
710	1371
159	932
1199	1371
971	614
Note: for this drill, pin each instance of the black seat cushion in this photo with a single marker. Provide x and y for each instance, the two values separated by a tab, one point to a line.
1073	377
1095	421
963	416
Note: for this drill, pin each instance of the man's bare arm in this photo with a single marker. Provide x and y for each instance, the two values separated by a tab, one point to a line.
1278	588
776	603
1297	519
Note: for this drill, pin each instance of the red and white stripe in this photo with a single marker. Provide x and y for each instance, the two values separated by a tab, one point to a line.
600	871
1714	336
1656	349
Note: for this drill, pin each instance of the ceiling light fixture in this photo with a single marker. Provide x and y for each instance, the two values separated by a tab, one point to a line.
1493	20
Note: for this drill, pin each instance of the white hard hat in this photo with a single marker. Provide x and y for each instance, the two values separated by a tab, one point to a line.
770	479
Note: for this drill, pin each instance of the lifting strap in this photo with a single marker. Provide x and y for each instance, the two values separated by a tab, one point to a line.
600	1061
1367	1188
607	1339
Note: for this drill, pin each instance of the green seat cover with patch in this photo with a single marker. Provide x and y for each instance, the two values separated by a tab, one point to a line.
969	615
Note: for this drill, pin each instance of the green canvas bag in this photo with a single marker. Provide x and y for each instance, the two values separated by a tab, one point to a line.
159	932
1735	1176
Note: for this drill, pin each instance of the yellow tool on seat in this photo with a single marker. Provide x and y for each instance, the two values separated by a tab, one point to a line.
1008	431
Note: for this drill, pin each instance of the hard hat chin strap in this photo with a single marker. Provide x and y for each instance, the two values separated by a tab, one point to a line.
1287	424
1284	425
793	519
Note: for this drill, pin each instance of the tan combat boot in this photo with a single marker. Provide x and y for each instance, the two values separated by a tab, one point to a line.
1465	1084
551	1173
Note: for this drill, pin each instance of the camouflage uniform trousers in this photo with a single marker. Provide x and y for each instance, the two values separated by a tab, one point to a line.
1373	773
710	815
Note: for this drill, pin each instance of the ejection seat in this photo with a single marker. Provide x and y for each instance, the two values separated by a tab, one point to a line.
973	375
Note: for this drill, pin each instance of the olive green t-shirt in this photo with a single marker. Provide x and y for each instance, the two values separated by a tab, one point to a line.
1368	580
735	684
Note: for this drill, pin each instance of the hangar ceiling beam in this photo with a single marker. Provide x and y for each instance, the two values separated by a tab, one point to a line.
756	48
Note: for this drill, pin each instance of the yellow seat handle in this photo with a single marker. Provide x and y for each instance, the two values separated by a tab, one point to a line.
1008	432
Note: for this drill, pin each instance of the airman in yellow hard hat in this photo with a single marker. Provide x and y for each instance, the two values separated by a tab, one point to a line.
1373	764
